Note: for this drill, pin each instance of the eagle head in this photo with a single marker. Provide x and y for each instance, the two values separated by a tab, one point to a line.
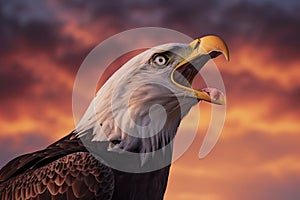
140	106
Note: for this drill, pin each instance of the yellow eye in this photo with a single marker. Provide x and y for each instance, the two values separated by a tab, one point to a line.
160	60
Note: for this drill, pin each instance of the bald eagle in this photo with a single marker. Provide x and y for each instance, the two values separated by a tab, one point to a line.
136	112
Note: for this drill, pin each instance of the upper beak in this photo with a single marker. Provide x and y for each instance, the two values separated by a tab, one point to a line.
208	45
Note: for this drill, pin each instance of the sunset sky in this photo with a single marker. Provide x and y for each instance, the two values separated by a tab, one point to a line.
43	44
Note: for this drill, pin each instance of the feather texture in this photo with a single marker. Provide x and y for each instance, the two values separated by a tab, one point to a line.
64	170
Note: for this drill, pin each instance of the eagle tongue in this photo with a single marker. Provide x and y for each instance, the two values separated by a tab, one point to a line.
215	94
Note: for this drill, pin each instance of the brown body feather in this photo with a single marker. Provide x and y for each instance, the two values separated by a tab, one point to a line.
66	170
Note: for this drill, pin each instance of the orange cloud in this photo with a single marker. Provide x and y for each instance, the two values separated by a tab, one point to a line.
264	65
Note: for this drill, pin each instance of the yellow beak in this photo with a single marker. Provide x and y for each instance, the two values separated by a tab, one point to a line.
208	45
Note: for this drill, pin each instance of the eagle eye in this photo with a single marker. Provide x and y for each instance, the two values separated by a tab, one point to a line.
160	60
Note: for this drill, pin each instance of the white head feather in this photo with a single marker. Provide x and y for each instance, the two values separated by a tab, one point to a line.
139	103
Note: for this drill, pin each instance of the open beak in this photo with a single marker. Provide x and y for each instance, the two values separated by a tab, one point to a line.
202	50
